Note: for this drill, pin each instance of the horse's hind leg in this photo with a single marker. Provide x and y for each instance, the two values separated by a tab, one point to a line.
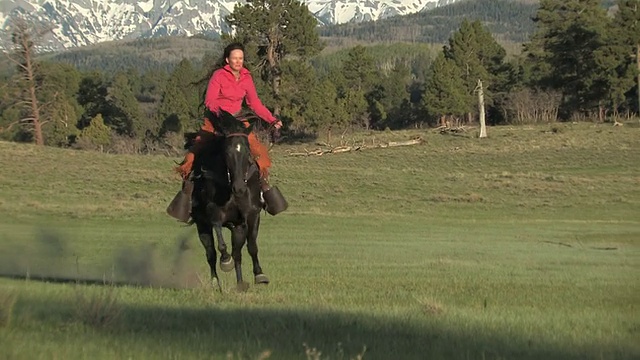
238	237
205	234
226	261
252	246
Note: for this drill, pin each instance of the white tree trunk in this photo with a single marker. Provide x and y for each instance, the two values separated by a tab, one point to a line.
638	64
483	126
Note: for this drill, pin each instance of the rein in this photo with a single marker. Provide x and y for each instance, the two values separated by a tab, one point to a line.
237	134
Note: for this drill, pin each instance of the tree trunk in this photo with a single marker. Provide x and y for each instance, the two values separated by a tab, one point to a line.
35	109
638	64
22	38
274	68
483	126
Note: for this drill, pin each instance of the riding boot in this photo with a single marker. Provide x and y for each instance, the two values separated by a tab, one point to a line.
180	206
274	201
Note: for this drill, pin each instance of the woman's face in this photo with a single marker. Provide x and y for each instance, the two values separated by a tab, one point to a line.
236	60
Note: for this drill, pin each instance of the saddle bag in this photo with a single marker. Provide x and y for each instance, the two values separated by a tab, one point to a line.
275	202
180	206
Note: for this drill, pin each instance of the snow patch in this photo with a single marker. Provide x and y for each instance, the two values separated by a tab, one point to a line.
146	6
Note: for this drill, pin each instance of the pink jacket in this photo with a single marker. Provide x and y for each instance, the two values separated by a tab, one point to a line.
224	92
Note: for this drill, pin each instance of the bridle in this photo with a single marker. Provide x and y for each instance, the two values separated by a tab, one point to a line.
246	174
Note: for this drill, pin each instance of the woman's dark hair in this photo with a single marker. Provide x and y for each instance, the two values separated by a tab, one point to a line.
225	54
219	65
230	48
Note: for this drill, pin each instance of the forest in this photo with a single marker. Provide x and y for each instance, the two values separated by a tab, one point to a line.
575	61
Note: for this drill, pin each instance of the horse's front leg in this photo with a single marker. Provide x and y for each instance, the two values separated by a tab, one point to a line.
226	261
205	233
252	245
238	238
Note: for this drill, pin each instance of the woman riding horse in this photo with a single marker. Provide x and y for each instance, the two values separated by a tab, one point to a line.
227	88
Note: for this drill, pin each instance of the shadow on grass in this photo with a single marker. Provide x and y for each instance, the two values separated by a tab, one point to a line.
216	332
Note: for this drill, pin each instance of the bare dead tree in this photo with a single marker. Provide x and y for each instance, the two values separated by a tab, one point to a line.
638	78
483	126
23	40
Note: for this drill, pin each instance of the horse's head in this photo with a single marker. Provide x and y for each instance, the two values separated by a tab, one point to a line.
237	153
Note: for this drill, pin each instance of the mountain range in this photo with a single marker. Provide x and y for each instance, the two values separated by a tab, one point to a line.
75	23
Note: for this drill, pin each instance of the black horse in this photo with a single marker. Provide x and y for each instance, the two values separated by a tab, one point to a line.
227	193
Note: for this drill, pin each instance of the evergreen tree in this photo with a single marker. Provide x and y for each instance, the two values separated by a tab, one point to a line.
324	111
60	84
92	96
627	35
96	135
125	116
395	98
570	42
298	80
445	90
180	100
478	57
359	69
357	80
61	127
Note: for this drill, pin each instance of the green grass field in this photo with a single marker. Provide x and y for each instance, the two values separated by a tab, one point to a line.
524	245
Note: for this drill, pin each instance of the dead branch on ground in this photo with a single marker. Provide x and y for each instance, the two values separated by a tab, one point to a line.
328	149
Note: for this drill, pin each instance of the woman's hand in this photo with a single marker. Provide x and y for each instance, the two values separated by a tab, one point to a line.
275	133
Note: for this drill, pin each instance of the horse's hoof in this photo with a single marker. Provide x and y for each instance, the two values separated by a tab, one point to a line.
261	279
228	265
242	286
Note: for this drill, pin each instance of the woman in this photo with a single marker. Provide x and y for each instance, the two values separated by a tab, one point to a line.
228	87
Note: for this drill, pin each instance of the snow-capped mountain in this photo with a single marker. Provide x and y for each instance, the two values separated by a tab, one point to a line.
330	12
83	22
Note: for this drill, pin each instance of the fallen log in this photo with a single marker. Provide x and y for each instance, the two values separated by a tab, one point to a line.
344	149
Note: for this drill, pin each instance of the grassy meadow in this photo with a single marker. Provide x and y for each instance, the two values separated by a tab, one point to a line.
524	245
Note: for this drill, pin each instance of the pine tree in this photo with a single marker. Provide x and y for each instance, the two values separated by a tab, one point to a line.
92	96
60	84
627	27
97	134
61	126
179	107
125	116
358	78
445	90
479	57
570	41
298	79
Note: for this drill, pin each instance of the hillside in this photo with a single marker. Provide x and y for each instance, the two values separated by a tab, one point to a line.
508	20
143	54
